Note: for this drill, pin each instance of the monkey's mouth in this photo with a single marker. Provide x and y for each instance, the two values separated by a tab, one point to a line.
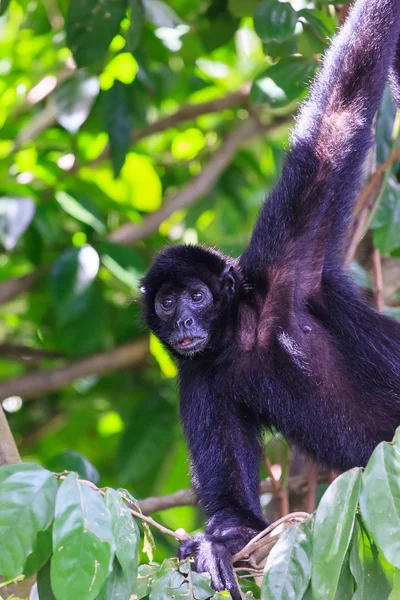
191	344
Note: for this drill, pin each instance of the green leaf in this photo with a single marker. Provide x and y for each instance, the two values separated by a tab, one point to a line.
78	300
200	585
322	24
274	21
3	6
124	263
126	534
386	224
91	26
8	470
144	581
117	586
283	82
71	460
83	542
380	499
168	582
41	553
44	584
118	123
366	567
26	507
136	24
74	99
334	522
288	569
345	588
73	207
16	215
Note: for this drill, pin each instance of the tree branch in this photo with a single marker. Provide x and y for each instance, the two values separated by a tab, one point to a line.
379	297
367	202
197	187
11	288
186	497
237	99
26	354
49	380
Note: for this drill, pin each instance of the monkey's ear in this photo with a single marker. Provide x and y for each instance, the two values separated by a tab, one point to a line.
142	289
228	280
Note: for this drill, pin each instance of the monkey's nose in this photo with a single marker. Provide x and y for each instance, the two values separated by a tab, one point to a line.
179	323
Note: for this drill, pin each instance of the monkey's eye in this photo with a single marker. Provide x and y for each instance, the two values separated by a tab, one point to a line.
196	296
167	303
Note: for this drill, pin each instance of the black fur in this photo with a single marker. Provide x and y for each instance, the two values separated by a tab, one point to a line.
292	343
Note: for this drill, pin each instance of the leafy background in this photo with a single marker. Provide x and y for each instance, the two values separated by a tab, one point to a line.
127	125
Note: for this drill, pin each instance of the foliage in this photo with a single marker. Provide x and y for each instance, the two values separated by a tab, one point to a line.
108	111
83	541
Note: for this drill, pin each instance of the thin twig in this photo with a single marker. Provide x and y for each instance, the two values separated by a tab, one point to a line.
312	478
367	202
376	178
259	540
379	296
133	509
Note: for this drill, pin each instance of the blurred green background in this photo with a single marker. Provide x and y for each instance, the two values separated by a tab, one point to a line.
125	126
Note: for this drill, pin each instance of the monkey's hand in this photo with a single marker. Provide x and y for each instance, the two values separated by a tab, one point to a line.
213	554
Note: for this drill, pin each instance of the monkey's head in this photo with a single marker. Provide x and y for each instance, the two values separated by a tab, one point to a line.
189	294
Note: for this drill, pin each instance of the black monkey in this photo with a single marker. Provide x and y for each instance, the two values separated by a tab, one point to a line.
281	337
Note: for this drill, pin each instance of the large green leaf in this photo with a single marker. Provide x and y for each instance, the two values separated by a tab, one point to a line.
380	499
283	82
274	21
82	541
91	25
27	500
126	534
118	123
333	529
78	300
288	569
366	567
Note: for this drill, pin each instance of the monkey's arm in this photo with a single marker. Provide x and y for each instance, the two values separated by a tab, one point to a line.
306	218
225	456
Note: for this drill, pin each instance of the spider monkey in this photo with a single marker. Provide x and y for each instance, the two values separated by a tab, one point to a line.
281	337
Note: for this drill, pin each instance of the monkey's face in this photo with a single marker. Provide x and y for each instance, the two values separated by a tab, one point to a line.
185	316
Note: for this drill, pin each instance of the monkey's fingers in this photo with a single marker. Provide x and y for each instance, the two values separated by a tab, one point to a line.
216	560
